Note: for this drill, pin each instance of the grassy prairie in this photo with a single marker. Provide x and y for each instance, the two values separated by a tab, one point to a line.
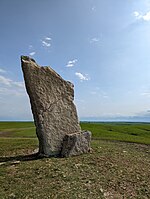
118	170
17	129
128	132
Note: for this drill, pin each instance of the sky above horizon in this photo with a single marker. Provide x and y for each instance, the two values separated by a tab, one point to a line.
102	47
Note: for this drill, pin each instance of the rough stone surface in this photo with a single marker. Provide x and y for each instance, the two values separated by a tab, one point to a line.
54	112
76	144
51	99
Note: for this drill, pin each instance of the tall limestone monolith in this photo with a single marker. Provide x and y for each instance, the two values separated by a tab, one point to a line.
54	112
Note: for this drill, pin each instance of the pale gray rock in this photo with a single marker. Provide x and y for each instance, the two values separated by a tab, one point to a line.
76	144
52	105
51	99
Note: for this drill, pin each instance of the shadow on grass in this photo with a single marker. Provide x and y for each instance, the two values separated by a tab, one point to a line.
21	158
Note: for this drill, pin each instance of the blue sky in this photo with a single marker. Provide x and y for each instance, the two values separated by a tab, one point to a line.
102	47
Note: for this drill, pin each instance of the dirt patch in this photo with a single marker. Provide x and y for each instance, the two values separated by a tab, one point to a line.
5	134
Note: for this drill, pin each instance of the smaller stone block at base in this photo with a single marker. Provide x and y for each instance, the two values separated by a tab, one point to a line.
76	144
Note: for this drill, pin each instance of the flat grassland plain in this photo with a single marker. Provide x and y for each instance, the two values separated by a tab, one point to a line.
117	167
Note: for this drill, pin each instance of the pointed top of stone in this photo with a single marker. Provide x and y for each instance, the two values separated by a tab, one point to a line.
30	63
27	58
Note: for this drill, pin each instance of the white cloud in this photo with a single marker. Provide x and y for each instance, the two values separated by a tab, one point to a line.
82	77
48	38
136	14
93	8
147	94
6	82
32	53
2	71
30	47
14	100
94	40
71	63
46	42
99	93
19	84
144	17
93	92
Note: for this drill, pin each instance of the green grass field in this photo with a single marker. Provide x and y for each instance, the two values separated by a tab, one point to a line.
114	169
18	129
129	132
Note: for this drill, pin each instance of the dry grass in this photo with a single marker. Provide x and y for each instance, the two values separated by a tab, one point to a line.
112	170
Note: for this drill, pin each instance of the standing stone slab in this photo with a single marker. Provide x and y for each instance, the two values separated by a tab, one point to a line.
51	99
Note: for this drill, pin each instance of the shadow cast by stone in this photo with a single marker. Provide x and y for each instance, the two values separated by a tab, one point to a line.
20	158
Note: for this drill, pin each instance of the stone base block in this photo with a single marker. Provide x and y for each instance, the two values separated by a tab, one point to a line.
76	144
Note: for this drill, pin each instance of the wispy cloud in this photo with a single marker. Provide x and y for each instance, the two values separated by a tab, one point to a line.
147	94
139	117
19	84
46	42
140	16
30	47
99	93
32	53
71	63
94	40
93	92
14	100
10	83
5	81
136	14
48	38
2	71
82	77
93	8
